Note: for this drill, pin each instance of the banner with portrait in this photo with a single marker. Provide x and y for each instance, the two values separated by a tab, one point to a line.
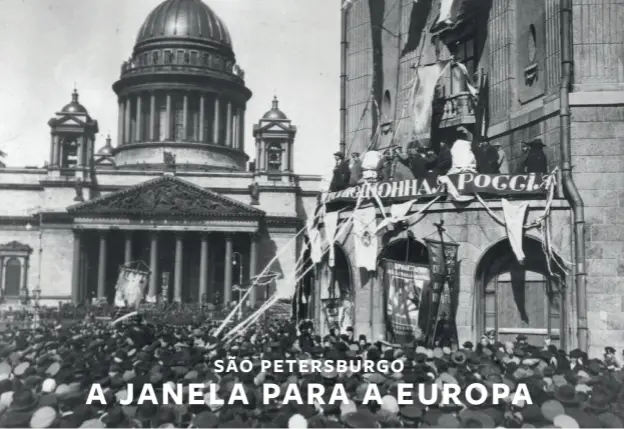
130	287
404	284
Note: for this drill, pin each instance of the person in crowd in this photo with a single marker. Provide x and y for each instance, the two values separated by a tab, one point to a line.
355	168
385	166
414	160
401	163
341	174
502	163
610	359
461	153
535	160
46	374
487	158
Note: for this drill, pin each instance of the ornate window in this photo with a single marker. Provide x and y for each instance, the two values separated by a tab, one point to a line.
14	258
180	57
168	57
194	58
274	158
155	57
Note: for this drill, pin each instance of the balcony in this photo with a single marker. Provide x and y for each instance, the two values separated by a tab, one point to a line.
454	110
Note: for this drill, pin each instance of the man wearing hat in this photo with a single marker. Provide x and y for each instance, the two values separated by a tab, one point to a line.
610	359
414	160
355	168
503	164
535	161
341	173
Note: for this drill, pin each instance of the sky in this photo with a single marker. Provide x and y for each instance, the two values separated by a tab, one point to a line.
288	48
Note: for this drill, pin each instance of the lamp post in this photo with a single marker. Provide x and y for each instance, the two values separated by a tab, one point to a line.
237	260
36	296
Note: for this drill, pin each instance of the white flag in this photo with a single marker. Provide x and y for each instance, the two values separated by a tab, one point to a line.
422	98
514	223
364	228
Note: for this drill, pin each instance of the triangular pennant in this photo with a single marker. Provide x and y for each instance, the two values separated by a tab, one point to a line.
514	223
365	225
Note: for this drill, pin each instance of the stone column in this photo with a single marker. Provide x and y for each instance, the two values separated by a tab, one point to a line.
127	137
253	266
202	114
153	281
101	282
235	129
120	123
185	114
227	283
51	159
57	151
76	268
128	247
139	119
168	119
286	163
203	267
179	255
80	155
22	274
216	120
291	157
228	125
241	129
152	119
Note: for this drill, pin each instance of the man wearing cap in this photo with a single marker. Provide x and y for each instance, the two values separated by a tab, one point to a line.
355	168
341	173
535	161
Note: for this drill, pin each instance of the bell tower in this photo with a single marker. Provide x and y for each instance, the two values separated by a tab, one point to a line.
274	135
72	133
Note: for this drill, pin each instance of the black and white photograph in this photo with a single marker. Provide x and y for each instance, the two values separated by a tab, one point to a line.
312	214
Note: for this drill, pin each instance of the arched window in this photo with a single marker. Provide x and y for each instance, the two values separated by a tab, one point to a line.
518	299
275	157
13	268
13	277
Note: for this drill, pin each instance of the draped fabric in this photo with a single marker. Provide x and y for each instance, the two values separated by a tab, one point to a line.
404	283
314	235
439	324
364	228
422	95
331	225
514	223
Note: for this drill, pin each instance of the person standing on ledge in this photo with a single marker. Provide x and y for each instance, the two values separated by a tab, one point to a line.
355	168
535	161
341	175
503	164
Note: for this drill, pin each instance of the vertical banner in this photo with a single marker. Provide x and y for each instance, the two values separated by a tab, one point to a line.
130	287
404	284
440	322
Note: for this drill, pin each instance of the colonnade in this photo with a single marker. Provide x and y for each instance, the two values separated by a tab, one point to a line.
178	269
184	116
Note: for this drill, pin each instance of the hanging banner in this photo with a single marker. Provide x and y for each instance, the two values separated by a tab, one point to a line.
462	184
443	296
404	284
130	287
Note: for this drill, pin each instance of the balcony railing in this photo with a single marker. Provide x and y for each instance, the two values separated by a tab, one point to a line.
454	110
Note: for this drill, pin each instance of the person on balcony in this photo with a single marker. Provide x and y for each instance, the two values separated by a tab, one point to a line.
385	166
461	153
503	164
414	160
355	168
535	161
445	159
341	174
402	170
487	158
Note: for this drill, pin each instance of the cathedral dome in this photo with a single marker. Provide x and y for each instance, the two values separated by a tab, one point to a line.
74	106
275	114
184	19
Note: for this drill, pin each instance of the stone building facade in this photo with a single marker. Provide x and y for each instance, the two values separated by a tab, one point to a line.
519	52
176	193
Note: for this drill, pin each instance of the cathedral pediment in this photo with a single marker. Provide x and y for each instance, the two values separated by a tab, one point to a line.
69	121
276	126
166	196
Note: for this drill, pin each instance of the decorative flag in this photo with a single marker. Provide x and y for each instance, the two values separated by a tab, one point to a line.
446	12
514	223
398	213
331	226
364	227
404	284
442	298
314	235
452	190
422	95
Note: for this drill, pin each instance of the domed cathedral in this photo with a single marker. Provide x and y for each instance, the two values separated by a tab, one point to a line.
174	197
487	133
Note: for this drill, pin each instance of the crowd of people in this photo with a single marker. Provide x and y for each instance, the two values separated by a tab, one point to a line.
459	153
46	374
